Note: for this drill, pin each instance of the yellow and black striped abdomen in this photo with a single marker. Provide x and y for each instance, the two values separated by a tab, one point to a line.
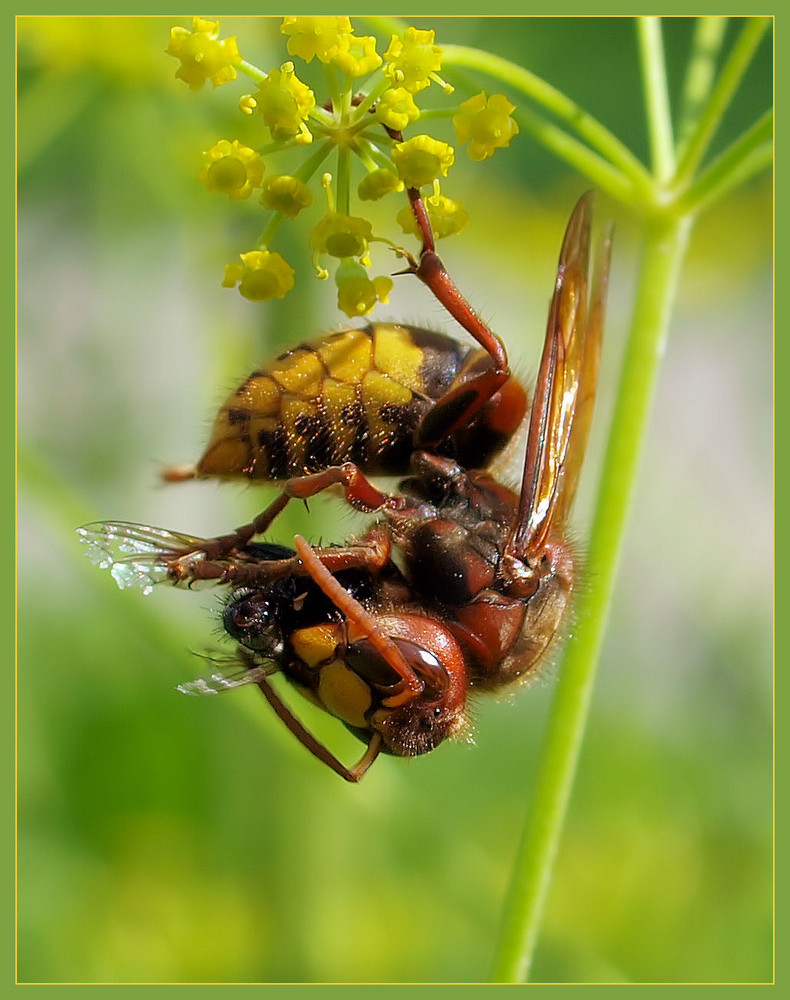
354	395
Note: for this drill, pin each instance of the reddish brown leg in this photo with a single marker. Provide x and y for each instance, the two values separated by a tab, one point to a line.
359	493
305	737
240	569
458	406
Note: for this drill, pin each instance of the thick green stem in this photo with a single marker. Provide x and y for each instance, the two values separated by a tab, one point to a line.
662	259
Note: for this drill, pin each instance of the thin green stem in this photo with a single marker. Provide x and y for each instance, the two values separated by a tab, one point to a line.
721	97
251	71
705	47
343	179
378	88
602	173
591	130
335	93
661	263
273	220
654	81
369	149
747	156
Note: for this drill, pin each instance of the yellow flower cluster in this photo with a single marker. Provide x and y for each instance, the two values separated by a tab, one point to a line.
372	101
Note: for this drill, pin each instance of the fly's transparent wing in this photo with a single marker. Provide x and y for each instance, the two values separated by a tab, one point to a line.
138	555
227	675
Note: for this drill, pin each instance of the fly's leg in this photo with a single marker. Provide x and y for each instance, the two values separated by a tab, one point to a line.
359	492
305	737
226	560
371	552
458	405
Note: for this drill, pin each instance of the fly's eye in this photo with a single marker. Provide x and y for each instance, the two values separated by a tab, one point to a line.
426	665
250	619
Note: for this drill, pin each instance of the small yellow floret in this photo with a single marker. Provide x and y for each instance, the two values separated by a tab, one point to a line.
284	102
202	54
232	169
397	109
377	183
422	159
446	216
287	194
413	60
261	275
315	36
485	124
341	235
357	56
357	294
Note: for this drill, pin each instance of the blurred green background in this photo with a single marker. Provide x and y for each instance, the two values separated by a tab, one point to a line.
173	839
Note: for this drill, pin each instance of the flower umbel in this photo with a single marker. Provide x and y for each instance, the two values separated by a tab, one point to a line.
361	121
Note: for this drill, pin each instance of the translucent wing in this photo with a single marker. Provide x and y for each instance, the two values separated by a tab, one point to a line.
138	555
590	351
564	391
228	674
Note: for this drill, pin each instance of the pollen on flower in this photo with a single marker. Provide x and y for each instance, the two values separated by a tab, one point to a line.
422	159
203	55
261	275
284	102
287	194
232	169
485	124
315	36
397	109
413	61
